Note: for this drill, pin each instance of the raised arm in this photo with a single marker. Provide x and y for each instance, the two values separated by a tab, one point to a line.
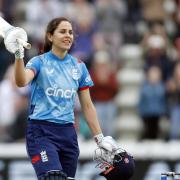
22	76
15	40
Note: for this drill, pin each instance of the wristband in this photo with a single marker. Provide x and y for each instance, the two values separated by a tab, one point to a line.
19	54
98	138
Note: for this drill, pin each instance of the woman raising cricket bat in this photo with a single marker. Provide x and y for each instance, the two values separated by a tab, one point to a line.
55	77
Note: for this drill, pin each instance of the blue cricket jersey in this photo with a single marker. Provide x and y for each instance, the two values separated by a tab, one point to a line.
54	87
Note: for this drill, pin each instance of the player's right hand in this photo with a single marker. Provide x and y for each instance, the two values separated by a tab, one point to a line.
106	143
11	39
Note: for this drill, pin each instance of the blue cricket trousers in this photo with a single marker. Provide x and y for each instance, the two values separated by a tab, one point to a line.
52	146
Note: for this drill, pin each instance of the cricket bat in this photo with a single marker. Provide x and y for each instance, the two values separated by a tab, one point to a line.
5	27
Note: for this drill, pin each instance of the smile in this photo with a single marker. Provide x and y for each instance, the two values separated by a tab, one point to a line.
67	41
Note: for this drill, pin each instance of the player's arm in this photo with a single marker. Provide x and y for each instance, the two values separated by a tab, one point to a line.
89	111
22	76
15	40
90	114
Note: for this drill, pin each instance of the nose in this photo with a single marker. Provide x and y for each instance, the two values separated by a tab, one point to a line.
67	34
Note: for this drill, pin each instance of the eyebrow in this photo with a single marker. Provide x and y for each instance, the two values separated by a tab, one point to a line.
70	30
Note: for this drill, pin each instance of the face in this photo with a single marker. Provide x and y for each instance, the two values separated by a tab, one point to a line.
62	38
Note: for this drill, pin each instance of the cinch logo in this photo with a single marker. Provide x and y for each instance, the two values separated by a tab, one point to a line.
58	92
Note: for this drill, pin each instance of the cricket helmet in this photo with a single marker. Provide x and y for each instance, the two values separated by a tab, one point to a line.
117	165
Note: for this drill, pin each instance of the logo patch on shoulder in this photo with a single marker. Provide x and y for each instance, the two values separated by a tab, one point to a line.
88	78
75	73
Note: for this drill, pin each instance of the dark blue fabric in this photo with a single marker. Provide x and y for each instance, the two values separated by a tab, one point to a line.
52	146
124	166
54	175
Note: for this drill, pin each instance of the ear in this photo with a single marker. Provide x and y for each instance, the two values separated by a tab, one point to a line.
49	36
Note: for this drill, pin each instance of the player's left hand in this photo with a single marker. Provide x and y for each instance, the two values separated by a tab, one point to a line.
106	143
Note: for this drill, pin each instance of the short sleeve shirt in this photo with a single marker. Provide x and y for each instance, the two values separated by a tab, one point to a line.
55	85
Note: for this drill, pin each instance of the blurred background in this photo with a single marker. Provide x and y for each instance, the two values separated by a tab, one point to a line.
132	51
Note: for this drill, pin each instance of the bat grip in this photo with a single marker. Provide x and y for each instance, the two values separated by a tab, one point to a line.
24	43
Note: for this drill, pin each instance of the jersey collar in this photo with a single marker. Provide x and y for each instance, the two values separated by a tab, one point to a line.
54	57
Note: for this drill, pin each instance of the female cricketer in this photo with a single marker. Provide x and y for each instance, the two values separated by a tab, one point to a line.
55	77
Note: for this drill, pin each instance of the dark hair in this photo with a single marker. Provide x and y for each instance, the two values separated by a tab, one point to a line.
51	27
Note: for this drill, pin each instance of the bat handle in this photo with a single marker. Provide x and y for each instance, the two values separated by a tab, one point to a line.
24	43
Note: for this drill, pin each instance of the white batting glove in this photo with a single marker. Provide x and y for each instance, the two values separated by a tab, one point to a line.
11	39
106	143
19	53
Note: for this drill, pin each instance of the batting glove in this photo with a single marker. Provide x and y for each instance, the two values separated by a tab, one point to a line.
19	53
106	143
11	37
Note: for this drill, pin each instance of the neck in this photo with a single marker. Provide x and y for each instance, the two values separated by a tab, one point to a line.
60	53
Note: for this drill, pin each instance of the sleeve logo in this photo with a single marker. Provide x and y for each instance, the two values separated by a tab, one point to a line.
88	78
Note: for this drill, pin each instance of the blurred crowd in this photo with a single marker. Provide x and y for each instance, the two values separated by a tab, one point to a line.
102	28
